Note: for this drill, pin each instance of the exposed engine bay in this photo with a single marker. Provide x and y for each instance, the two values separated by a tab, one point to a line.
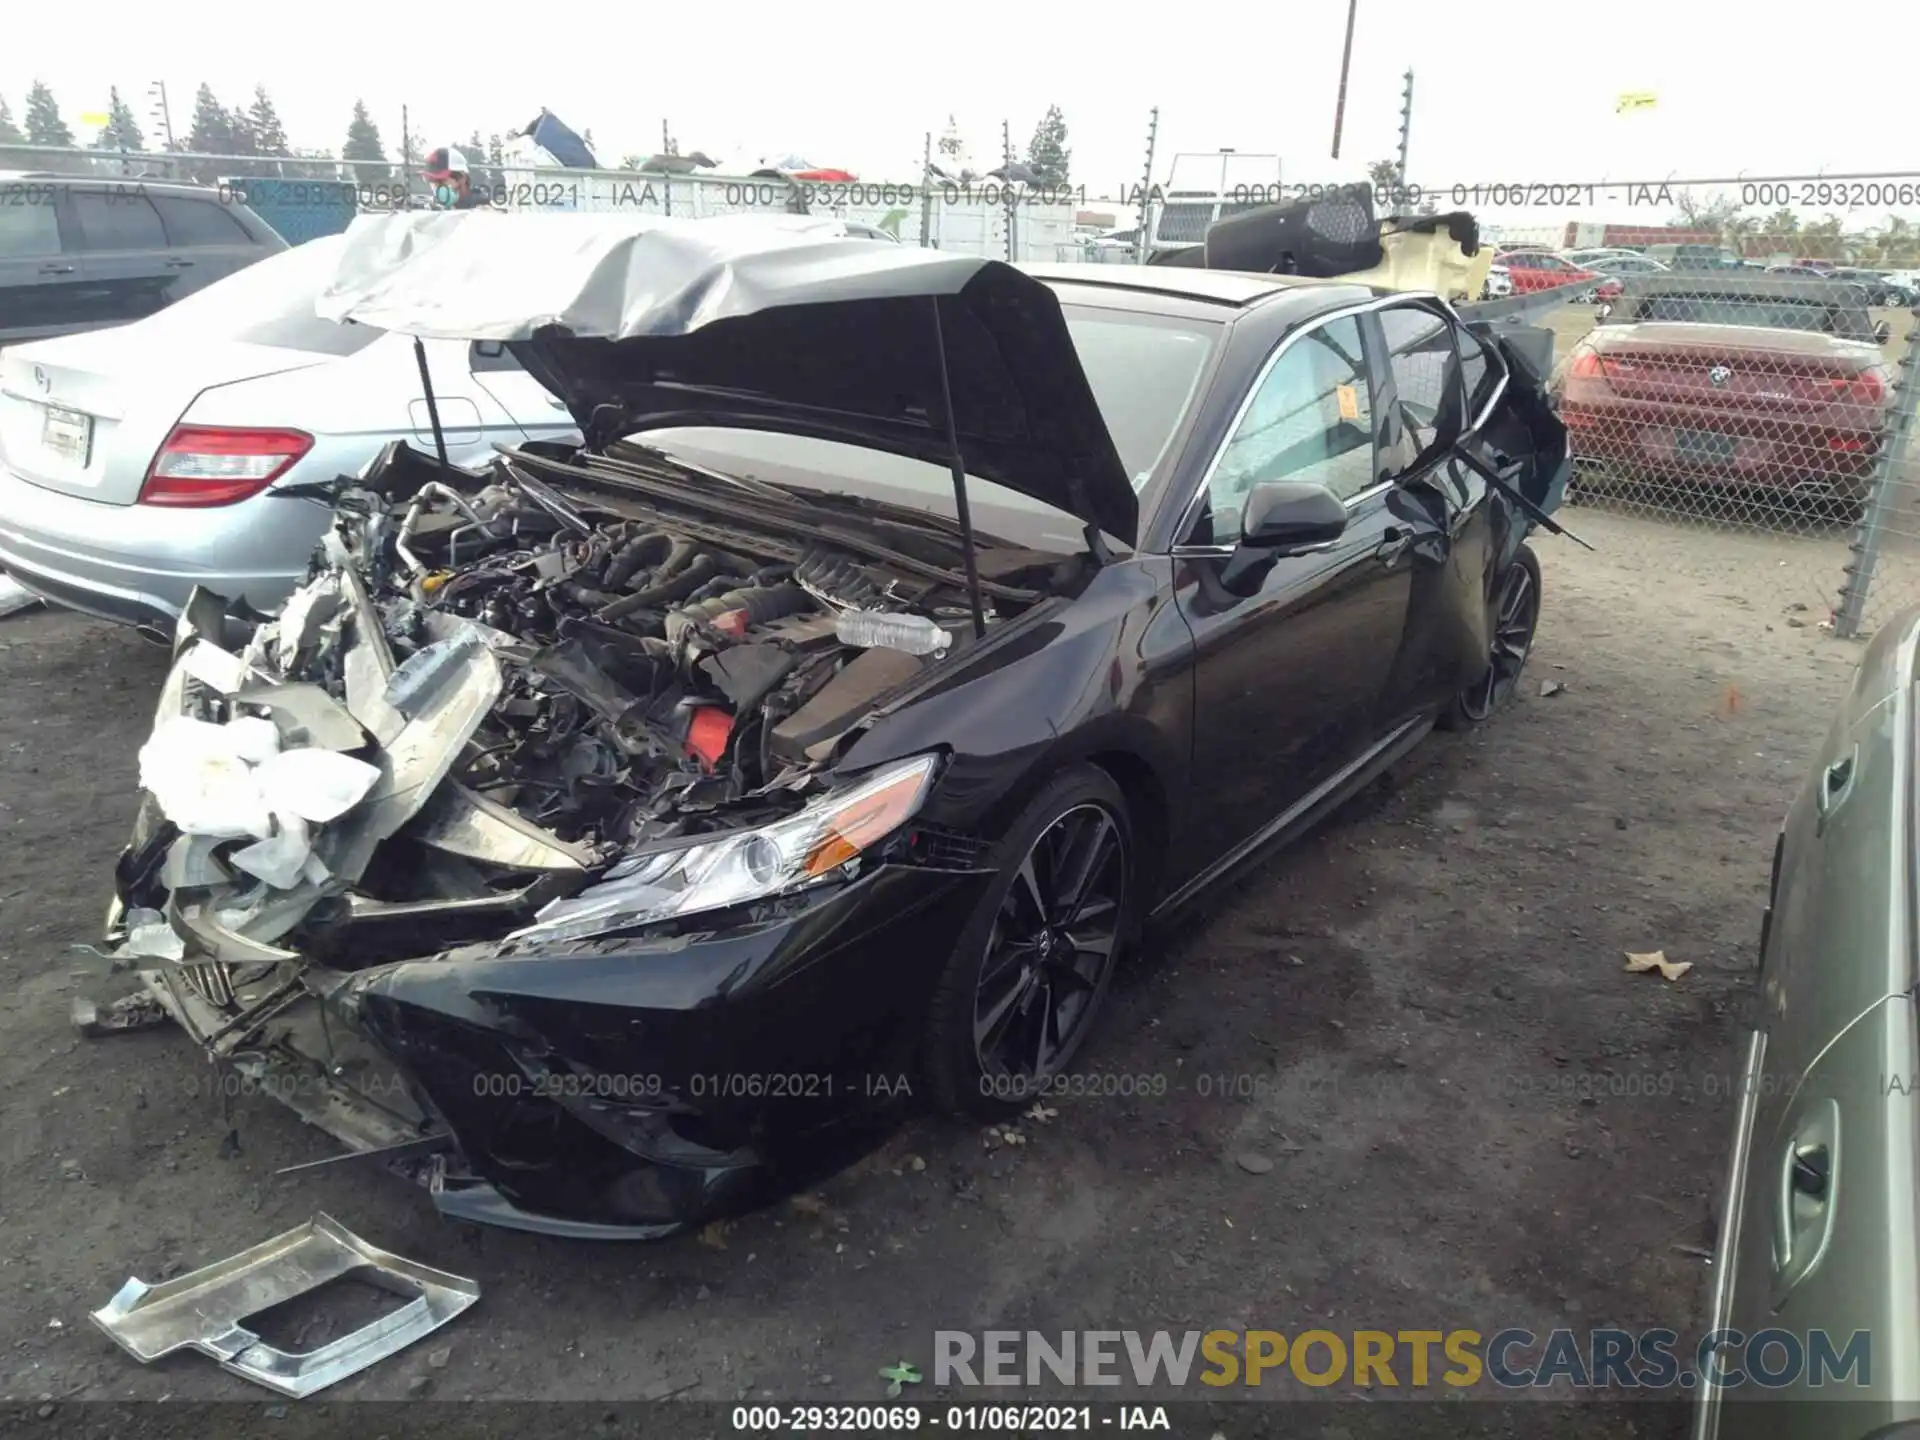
493	687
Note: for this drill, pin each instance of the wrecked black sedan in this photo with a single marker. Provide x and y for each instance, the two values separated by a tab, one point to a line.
594	836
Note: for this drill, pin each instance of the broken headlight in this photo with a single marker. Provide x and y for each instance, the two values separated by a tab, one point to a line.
715	872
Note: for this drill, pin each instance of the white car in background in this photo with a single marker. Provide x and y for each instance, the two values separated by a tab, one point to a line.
1499	283
140	461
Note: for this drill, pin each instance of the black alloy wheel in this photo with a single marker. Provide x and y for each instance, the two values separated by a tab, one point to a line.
1516	615
1019	995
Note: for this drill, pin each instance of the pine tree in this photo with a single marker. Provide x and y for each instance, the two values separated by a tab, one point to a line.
44	125
122	131
951	146
269	135
212	130
496	151
363	136
240	126
1047	154
9	132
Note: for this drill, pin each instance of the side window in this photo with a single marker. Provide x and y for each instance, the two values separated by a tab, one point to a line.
29	222
199	222
1421	355
1310	420
118	220
1477	374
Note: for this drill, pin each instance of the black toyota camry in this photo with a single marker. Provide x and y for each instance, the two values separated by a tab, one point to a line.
596	835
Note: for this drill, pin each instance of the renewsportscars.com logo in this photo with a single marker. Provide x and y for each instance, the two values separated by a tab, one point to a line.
1404	1359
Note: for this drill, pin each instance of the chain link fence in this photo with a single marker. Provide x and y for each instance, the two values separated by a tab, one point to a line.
1770	400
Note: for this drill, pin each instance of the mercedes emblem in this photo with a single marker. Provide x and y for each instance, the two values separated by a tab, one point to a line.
1719	375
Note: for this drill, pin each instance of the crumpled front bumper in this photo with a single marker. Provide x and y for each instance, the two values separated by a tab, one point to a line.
617	1088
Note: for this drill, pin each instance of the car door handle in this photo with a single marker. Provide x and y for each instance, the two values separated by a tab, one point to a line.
1804	1196
1836	784
56	269
1395	542
178	264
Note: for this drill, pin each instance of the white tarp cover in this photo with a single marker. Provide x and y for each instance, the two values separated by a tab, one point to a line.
474	275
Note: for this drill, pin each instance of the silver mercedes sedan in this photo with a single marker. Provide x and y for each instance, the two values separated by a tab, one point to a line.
140	461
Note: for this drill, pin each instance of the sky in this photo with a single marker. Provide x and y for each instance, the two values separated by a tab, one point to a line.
1523	98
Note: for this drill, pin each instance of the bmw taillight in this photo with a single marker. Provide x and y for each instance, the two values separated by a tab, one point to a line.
204	465
1586	365
1866	388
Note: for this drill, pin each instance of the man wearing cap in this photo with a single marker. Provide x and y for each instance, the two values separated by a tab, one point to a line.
452	183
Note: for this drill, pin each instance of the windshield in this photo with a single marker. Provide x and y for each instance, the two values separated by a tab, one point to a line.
270	302
1764	311
1144	371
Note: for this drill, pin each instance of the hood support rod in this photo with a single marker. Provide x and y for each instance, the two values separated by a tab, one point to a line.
958	465
433	409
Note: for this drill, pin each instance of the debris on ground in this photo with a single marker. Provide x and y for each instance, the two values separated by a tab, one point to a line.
897	1374
1253	1164
14	596
1550	687
205	1309
1657	960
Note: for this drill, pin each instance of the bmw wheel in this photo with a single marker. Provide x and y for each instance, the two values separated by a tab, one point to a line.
1020	992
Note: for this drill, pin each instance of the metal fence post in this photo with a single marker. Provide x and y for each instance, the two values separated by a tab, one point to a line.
1888	480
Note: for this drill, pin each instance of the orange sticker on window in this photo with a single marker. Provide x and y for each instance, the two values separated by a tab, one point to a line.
1349	401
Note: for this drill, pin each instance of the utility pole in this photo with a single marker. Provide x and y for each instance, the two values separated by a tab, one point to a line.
159	91
926	193
1006	185
1144	235
1346	58
406	155
1400	201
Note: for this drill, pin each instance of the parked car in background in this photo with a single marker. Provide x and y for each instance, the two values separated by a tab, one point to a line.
79	254
1499	282
1816	1217
1881	289
1697	257
1624	264
1775	383
1541	270
1589	258
138	462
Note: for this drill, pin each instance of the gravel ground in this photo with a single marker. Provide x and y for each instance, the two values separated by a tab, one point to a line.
1473	1116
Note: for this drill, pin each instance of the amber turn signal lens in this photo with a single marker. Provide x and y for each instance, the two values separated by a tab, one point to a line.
873	817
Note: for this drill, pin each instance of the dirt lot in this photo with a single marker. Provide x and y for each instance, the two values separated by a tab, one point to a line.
1406	999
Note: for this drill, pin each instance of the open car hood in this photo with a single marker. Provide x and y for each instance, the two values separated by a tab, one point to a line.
762	322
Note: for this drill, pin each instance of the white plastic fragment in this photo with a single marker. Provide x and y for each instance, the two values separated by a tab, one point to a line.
149	936
201	780
230	780
316	785
15	596
218	669
255	740
281	858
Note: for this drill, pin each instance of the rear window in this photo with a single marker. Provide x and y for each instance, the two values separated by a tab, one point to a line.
118	219
29	223
1765	312
270	302
192	221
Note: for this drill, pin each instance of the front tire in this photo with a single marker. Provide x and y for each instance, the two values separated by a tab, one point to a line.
1516	615
1020	992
